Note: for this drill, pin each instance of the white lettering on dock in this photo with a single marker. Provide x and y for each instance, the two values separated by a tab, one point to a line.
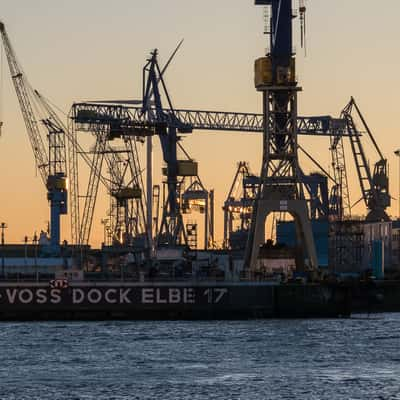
94	296
188	296
11	295
159	299
25	296
215	295
78	295
55	296
174	296
123	296
98	295
108	298
220	294
168	296
147	296
41	296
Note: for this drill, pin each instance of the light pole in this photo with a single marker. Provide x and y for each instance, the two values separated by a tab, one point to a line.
35	244
3	227
105	224
397	152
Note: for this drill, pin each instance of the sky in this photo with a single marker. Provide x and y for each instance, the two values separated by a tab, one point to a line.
94	49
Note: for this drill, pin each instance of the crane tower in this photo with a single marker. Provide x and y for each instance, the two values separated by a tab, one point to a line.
51	163
280	186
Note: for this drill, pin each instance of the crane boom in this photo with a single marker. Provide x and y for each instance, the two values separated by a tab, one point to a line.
22	89
51	162
374	184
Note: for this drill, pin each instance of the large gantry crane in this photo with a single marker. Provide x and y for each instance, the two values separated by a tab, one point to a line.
280	187
129	120
51	163
170	124
121	119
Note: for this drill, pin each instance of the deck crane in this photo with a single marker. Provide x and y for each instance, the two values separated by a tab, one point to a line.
51	163
374	185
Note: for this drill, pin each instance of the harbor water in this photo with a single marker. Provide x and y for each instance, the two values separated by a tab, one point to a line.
356	358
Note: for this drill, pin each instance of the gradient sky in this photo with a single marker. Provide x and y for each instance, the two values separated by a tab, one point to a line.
93	49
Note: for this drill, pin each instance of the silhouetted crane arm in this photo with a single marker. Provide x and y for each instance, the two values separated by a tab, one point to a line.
24	93
131	120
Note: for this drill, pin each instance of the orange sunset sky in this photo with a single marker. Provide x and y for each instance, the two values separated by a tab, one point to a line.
81	50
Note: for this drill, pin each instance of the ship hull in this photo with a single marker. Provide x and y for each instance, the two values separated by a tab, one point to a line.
172	300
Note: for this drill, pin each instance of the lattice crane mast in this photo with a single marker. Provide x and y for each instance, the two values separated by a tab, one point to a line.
374	185
124	185
341	206
172	230
280	189
238	206
51	162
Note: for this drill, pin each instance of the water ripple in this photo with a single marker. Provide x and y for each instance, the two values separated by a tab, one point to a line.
297	359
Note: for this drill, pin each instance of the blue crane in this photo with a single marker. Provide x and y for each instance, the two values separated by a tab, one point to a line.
281	189
51	163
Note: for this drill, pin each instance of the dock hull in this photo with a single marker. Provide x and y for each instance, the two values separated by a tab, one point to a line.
172	300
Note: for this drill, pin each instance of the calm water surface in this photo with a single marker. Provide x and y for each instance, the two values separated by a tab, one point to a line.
356	358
